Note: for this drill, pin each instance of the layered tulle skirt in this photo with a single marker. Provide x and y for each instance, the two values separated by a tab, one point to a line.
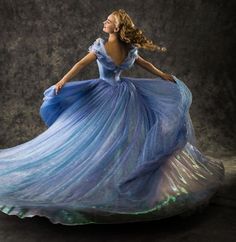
110	154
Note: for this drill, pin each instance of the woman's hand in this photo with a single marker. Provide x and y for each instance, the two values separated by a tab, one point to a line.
59	85
167	77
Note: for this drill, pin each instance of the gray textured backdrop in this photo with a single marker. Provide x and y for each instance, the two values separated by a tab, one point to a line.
42	40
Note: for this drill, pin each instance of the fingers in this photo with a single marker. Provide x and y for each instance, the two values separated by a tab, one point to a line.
172	80
168	77
57	89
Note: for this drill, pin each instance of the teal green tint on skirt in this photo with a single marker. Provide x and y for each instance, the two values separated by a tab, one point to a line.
111	154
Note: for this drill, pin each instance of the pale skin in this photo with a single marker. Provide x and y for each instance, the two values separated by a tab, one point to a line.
116	50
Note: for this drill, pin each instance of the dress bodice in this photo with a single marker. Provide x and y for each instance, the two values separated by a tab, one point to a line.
108	70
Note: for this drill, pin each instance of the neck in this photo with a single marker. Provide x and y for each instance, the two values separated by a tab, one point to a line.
113	38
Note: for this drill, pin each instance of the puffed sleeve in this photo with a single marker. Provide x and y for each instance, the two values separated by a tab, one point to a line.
134	53
95	48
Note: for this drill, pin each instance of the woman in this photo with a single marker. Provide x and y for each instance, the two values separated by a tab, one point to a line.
117	149
117	47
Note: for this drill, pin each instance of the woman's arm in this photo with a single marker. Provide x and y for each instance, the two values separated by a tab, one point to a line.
82	63
151	68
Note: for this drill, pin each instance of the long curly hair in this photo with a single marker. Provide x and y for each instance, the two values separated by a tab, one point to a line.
130	34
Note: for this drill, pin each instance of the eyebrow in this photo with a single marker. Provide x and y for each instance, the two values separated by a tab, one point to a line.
109	20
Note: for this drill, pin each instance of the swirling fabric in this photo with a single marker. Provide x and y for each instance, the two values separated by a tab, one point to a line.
116	149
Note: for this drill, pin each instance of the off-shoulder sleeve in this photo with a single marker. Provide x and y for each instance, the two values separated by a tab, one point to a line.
95	48
134	53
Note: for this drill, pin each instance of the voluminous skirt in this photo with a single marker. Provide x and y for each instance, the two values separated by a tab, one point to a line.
110	154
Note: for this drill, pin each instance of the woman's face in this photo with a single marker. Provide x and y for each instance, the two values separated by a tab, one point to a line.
109	24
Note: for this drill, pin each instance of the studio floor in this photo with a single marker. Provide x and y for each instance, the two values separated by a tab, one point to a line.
216	222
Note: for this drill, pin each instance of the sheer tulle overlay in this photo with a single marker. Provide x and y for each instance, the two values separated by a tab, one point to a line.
116	149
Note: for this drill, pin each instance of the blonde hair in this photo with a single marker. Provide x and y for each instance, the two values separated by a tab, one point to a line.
130	34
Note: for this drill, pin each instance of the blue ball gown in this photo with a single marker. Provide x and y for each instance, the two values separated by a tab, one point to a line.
116	149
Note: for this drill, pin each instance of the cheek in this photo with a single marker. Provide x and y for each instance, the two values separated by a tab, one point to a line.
109	26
